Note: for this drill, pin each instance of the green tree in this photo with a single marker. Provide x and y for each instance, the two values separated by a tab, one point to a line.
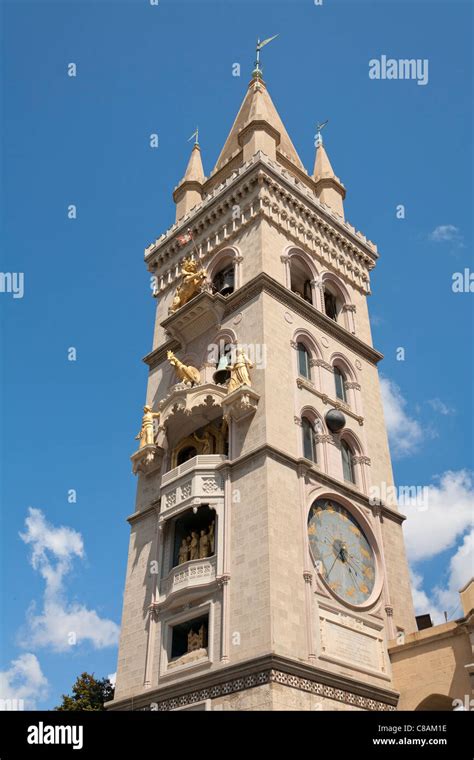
87	694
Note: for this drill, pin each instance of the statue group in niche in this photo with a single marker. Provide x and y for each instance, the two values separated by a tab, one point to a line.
197	545
196	640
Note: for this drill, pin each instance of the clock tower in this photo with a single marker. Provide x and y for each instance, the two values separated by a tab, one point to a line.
261	575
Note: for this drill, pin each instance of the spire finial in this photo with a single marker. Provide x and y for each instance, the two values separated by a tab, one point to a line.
257	72
195	134
318	136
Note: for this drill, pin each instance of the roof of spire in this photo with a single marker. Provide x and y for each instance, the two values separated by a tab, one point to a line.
194	171
257	106
322	164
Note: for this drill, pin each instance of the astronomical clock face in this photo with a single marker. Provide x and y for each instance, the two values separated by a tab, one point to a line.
347	562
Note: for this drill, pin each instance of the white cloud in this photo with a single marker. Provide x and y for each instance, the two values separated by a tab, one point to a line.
404	432
445	233
446	523
446	598
461	570
421	601
112	678
447	516
63	543
441	407
24	680
60	624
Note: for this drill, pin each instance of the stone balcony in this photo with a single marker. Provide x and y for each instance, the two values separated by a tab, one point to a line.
188	576
192	483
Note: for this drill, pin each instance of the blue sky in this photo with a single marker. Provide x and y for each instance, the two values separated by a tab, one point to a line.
145	69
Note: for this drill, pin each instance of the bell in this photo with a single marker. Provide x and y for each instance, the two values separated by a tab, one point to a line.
227	283
222	373
224	282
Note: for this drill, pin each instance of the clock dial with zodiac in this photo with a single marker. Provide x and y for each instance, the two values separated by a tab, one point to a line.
344	557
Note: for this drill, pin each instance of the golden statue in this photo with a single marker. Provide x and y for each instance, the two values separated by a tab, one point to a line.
204	545
183	552
206	441
186	374
146	434
239	371
194	546
191	284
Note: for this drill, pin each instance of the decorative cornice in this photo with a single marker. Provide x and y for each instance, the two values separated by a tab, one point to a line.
151	510
307	213
264	283
158	355
301	382
301	466
305	464
262	670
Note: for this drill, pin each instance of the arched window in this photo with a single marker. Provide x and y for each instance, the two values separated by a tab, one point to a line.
223	281
339	381
331	305
300	279
309	448
347	466
303	361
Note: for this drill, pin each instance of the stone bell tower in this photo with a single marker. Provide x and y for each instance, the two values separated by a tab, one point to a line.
260	574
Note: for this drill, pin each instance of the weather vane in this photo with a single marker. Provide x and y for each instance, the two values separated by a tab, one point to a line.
318	136
257	72
195	134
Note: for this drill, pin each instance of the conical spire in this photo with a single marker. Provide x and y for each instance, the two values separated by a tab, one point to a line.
329	188
258	126
195	171
322	164
189	191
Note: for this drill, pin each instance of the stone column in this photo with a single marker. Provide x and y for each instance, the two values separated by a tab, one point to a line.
152	621
349	317
391	630
224	579
307	569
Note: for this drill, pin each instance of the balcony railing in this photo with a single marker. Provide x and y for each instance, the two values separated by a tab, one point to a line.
189	574
195	479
